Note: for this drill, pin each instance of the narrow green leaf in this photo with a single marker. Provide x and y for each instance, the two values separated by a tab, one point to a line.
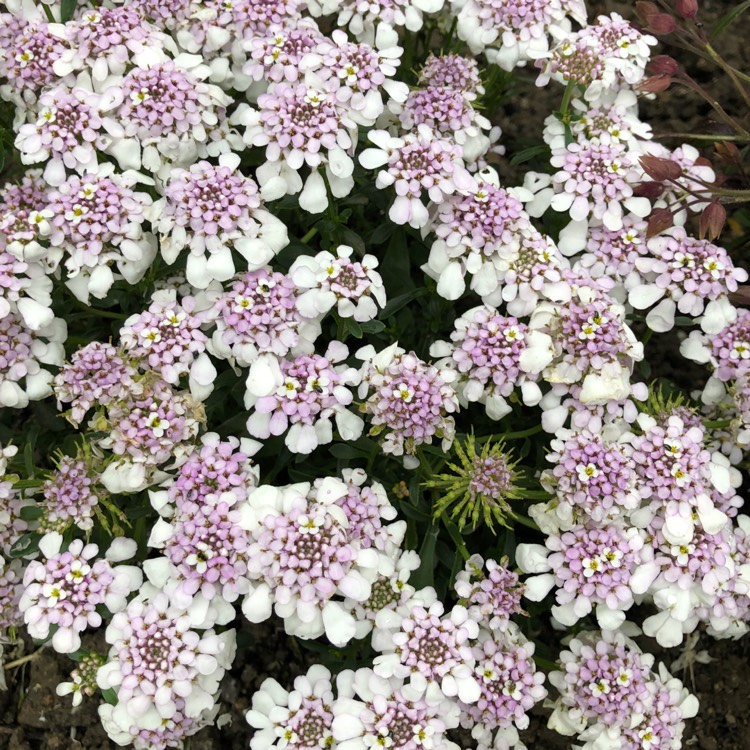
425	575
727	19
67	10
401	301
528	154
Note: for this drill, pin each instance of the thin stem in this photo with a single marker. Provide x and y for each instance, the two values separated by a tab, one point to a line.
703	136
522	433
309	235
717	424
728	119
525	521
23	660
48	12
567	96
719	60
101	313
449	41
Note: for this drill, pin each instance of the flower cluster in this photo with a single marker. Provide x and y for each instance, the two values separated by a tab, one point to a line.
221	197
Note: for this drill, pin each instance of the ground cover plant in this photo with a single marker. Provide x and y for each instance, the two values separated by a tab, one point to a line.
287	331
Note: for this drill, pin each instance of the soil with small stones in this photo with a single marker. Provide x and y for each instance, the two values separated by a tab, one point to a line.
33	717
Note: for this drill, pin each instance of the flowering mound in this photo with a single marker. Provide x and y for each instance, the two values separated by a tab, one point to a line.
276	341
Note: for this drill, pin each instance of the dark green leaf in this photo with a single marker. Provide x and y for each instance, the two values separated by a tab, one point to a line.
395	268
341	450
528	154
401	301
372	326
28	544
348	237
382	233
31	512
67	10
353	327
425	574
110	696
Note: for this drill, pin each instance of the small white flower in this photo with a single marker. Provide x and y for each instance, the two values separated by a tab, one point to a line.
47	116
680	475
242	303
174	318
513	333
625	677
591	565
405	393
683	260
613	557
673	448
24	58
290	388
40	221
314	98
600	688
587	472
309	525
78	570
714	267
264	287
76	214
157	424
138	97
53	593
150	336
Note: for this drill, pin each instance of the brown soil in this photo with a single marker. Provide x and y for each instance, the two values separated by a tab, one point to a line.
33	717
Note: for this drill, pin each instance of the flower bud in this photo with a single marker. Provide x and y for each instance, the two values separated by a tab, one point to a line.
660	24
646	11
650	190
687	8
727	152
663	65
712	221
659	220
655	84
660	169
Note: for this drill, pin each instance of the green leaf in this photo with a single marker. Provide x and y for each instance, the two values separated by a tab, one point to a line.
353	327
410	511
28	544
382	233
341	450
401	301
351	238
110	696
425	574
528	154
372	326
726	20
395	268
67	10
31	512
